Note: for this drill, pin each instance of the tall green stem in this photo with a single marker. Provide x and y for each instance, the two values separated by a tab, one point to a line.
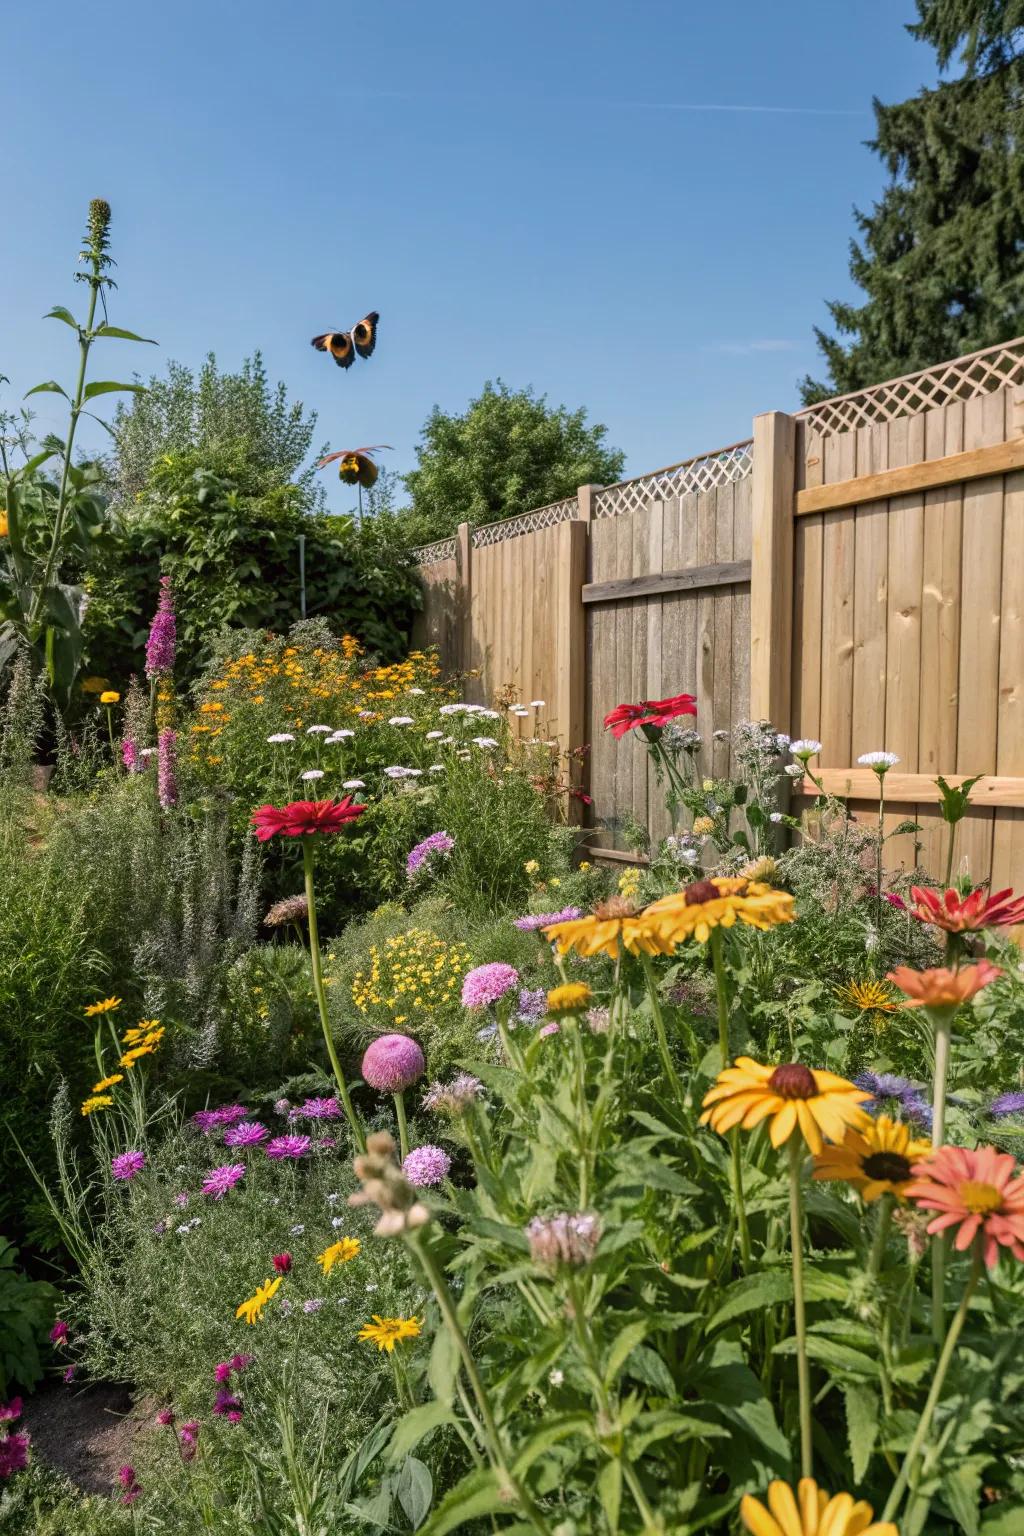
878	854
799	1312
403	1129
881	1236
942	1021
736	1161
321	996
924	1423
659	1028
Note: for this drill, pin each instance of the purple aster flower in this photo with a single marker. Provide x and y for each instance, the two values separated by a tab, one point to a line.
13	1453
167	769
534	920
487	983
220	1180
436	843
59	1332
320	1109
226	1402
393	1063
453	1098
163	635
69	1375
1008	1104
126	1165
247	1133
212	1119
426	1166
287	1146
313	1305
532	1004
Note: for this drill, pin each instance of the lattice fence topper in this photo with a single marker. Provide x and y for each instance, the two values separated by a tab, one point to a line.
528	522
978	374
433	554
702	473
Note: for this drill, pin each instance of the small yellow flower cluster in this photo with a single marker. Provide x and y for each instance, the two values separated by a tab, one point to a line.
410	976
629	883
141	1040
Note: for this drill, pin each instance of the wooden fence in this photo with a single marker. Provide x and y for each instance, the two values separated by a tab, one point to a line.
854	573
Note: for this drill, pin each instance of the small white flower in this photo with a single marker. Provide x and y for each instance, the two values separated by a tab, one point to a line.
318	730
489	714
804	748
881	762
690	855
435	735
332	1198
149	752
353	784
414	773
298	1229
337	1221
474	709
720	735
520	711
183	1229
775	816
418	691
371	1287
396	771
436	768
280	736
794	770
400	720
537	703
366	714
312	773
486	742
341	735
782	738
452	709
556	1378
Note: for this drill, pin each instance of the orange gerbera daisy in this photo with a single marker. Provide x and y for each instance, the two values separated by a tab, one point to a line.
945	909
810	1512
613	925
795	1097
942	987
877	1158
719	903
980	1191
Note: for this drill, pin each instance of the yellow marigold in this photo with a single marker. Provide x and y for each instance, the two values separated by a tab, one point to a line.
570	998
613	925
703	826
876	1158
792	1096
108	1082
5	526
341	1252
252	1309
106	1006
109	697
137	1034
385	1332
98	1101
717	903
129	1058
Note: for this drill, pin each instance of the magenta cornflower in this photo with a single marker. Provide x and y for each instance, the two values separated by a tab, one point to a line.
167	768
393	1063
436	843
163	633
226	1402
287	1146
188	1436
282	1263
165	1418
10	1411
126	1476
239	1363
14	1453
319	1109
534	920
426	1166
59	1332
487	983
220	1180
247	1133
127	1164
222	1372
212	1119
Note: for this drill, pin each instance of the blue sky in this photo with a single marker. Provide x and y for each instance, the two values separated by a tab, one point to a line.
521	190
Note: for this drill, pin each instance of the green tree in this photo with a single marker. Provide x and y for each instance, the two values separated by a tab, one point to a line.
940	257
508	452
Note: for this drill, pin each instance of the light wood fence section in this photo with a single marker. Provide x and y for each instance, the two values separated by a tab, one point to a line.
855	573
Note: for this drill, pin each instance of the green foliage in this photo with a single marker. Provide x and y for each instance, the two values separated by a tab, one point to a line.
941	256
26	1312
509	451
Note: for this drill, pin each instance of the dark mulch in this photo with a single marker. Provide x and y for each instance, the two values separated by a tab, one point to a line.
85	1433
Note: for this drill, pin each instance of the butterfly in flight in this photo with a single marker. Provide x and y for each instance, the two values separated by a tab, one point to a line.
343	345
357	466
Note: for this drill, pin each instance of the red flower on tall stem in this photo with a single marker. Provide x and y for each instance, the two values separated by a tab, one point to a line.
655	712
623	718
303	818
945	909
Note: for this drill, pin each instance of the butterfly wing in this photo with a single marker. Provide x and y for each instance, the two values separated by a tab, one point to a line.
364	335
339	345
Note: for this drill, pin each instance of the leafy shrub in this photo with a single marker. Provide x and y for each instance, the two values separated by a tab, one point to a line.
26	1311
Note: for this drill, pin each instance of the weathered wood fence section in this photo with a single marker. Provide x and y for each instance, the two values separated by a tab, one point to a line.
854	573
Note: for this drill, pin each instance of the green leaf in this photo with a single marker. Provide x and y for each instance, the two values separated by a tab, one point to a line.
412	1427
51	387
60	312
961	1487
553	1430
753	1293
632	1335
861	1425
109	388
837	1357
609	1491
476	1495
1004	1519
646	1365
443	1369
415	1491
122	335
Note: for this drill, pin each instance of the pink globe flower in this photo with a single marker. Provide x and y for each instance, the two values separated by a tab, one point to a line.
393	1063
425	1166
487	983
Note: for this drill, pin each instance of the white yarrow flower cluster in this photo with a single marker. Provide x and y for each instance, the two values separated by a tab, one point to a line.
279	737
312	773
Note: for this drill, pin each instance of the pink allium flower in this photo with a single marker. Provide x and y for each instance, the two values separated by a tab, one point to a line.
220	1180
13	1454
126	1165
58	1333
162	641
487	983
247	1133
287	1146
425	1166
393	1063
563	1238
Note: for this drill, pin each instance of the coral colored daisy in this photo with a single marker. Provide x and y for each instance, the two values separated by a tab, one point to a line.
945	909
252	1309
942	987
980	1191
106	1006
614	925
386	1332
623	718
810	1512
876	1159
792	1096
304	818
341	1252
718	903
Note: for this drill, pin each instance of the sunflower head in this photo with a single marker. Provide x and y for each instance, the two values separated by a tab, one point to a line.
876	1158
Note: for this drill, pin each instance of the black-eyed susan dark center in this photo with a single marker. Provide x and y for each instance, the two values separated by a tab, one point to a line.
793	1081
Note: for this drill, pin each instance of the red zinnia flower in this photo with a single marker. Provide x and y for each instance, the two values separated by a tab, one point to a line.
302	818
662	711
979	1191
623	718
282	1263
944	909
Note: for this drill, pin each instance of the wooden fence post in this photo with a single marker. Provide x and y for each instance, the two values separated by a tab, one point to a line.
771	577
585	496
570	699
464	596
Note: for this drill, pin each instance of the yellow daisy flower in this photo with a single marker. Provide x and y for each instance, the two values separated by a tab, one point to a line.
718	903
341	1252
613	925
876	1158
110	697
108	1082
792	1096
869	997
131	1057
252	1310
106	1006
98	1101
570	998
385	1332
810	1512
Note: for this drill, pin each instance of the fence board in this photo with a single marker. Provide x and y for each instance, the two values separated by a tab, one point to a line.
870	598
903	625
837	612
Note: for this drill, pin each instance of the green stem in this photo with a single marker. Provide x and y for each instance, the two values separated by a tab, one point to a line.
878	857
949	854
881	1236
659	1029
403	1129
736	1161
924	1423
943	1024
799	1313
110	733
321	996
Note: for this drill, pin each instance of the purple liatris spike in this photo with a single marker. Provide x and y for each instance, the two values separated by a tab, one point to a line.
163	633
130	755
167	769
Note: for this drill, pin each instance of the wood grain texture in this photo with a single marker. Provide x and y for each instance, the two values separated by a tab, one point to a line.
771	583
907	788
973	464
725	573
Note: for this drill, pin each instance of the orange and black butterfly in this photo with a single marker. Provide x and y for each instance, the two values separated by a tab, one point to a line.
357	466
343	345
